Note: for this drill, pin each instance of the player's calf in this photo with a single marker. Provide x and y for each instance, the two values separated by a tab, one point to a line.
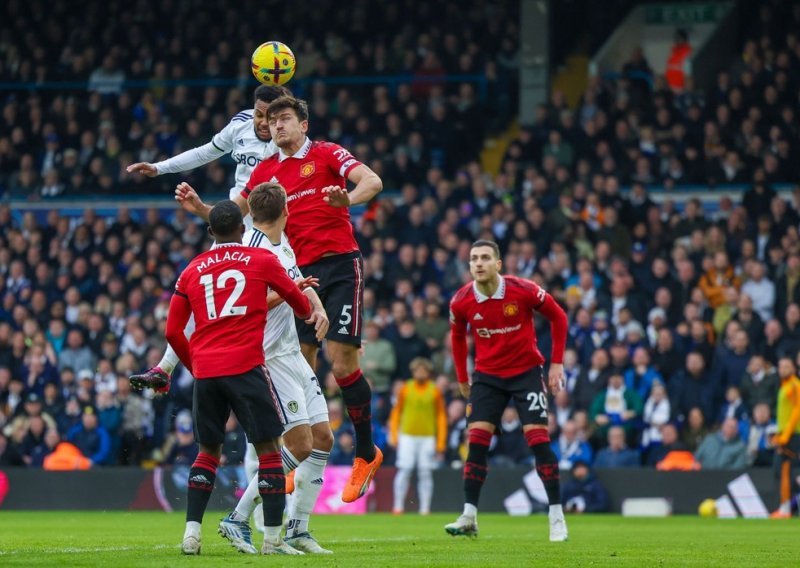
547	469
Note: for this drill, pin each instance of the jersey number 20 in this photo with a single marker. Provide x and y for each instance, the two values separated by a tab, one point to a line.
230	308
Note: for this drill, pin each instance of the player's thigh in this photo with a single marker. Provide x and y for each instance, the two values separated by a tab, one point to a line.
530	397
487	399
344	296
210	410
316	405
426	452
253	400
285	376
406	452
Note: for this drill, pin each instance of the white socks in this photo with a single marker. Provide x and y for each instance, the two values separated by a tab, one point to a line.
192	529
250	499
470	510
308	485
556	512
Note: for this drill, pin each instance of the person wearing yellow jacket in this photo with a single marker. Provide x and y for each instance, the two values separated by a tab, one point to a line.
787	439
418	429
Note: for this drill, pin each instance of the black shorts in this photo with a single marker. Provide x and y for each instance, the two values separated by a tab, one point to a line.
250	396
489	397
341	289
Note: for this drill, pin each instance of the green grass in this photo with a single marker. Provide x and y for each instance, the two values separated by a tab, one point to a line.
152	539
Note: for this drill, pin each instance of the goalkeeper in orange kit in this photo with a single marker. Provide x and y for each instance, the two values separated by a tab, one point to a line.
418	429
787	440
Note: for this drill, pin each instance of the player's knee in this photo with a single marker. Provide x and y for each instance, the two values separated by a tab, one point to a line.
299	442
322	439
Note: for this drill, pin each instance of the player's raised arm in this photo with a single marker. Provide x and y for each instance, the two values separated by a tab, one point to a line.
368	185
546	305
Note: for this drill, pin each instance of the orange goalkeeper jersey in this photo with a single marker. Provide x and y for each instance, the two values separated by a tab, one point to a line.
420	412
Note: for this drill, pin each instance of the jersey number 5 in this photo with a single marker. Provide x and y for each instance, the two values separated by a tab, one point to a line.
230	308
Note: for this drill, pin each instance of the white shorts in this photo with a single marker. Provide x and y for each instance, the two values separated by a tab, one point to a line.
298	391
417	451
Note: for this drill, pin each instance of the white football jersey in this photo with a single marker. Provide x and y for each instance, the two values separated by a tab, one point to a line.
280	337
239	139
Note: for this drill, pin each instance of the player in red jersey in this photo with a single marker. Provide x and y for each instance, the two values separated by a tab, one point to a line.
320	231
226	289
498	312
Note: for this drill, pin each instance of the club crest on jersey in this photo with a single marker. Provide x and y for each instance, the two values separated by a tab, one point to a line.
293	406
287	252
307	169
510	310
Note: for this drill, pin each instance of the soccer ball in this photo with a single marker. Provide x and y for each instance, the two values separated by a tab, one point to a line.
708	508
273	63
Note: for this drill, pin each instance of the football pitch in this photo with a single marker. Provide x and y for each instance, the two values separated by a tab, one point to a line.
153	539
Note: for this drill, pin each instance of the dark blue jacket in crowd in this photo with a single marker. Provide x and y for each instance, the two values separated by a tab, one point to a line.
591	490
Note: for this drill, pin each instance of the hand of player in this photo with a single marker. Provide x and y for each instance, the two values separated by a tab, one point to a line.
555	378
187	197
307	282
336	196
464	389
319	319
144	168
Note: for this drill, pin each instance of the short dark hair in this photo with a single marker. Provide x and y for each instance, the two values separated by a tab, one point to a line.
485	243
268	93
299	106
225	219
267	201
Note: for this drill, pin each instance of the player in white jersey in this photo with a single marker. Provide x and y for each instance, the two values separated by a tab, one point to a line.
247	139
307	433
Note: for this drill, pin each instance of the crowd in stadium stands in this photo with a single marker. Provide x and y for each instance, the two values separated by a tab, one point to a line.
677	318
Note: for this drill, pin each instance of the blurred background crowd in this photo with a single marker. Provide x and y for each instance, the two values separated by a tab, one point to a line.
682	317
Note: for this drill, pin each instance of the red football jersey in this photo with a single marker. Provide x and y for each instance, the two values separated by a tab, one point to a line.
226	288
502	327
314	228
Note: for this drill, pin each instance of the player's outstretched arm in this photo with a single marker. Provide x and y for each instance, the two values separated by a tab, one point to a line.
143	168
188	160
278	280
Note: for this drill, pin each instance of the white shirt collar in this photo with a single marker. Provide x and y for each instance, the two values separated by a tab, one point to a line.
300	154
499	294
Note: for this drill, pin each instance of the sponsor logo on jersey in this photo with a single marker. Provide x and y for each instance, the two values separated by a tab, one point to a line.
510	310
292	406
299	194
343	330
245	160
486	332
274	180
477	317
307	169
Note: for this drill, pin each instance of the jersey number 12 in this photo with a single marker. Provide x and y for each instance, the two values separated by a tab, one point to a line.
230	308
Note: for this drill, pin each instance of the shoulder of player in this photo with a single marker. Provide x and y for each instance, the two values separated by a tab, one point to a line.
515	283
244	116
463	293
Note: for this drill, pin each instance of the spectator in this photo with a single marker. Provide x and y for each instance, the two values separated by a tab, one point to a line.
591	381
691	388
761	289
657	412
719	276
724	449
758	436
509	448
641	376
180	448
733	407
616	406
569	448
408	346
76	355
695	430
583	493
760	383
90	438
616	454
669	443
378	360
